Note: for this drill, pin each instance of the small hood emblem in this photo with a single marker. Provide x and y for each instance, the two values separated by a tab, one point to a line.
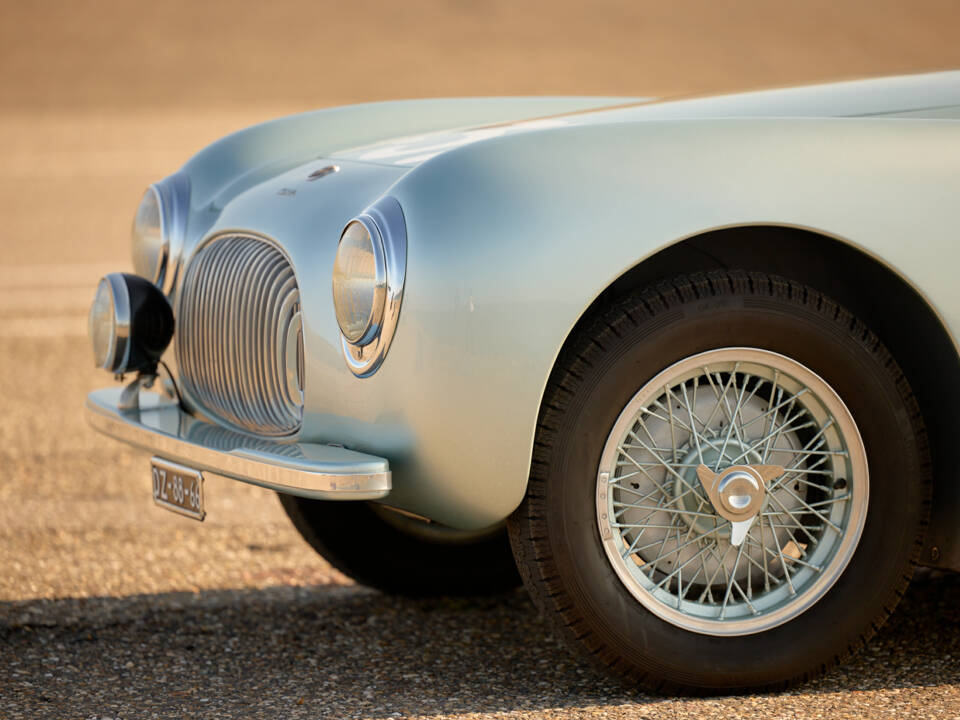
323	172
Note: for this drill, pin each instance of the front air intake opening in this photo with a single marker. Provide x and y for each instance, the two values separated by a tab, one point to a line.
239	314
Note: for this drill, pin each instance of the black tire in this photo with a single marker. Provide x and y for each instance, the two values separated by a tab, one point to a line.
555	535
397	554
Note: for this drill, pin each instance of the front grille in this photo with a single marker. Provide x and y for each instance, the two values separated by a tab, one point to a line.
239	336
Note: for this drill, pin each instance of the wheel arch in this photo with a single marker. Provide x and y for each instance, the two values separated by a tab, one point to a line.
899	315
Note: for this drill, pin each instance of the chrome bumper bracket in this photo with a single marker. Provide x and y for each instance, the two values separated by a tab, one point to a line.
313	470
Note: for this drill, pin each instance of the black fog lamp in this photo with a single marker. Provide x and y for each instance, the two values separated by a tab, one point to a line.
130	325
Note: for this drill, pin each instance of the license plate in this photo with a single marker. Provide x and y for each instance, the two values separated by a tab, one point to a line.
177	488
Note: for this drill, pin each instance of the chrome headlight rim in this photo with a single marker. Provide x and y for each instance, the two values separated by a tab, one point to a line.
172	195
385	222
137	238
118	352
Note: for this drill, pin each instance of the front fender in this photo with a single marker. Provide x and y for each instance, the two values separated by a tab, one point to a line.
510	240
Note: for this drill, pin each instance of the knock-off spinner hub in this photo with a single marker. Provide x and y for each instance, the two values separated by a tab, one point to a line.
737	493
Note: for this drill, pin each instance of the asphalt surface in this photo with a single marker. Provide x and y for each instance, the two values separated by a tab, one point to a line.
113	608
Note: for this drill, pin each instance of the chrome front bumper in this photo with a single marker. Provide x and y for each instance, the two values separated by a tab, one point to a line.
310	470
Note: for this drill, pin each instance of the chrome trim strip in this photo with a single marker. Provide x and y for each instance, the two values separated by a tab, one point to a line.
160	272
310	470
386	217
173	194
121	323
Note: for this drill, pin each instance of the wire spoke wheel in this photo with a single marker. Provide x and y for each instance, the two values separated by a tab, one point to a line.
700	515
680	556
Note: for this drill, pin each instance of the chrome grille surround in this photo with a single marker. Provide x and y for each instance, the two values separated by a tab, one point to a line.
239	337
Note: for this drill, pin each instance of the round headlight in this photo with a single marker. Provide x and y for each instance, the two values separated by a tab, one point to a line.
359	282
148	240
109	324
130	323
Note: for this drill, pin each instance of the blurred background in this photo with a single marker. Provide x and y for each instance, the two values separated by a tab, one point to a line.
98	99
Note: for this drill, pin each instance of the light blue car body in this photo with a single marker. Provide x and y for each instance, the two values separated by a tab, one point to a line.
521	212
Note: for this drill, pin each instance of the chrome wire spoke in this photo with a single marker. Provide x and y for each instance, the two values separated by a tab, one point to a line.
693	420
677	511
657	489
778	405
762	567
720	566
763	552
816	486
671	471
732	417
684	545
773	435
678	572
790	559
673	427
806	507
634	491
732	582
644	472
793	526
830	501
642	525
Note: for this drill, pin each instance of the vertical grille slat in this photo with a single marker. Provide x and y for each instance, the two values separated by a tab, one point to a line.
237	304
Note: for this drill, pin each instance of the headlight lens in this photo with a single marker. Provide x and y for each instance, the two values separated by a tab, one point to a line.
359	282
101	325
148	240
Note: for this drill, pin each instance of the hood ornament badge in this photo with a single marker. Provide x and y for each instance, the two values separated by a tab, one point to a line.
323	172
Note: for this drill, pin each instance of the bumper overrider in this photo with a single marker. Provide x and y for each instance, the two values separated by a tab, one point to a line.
132	324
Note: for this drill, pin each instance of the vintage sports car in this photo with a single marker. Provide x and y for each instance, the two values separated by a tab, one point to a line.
689	366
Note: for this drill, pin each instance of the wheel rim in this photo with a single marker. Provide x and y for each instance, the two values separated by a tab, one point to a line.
673	550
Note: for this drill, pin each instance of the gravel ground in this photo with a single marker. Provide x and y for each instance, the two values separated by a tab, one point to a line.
346	652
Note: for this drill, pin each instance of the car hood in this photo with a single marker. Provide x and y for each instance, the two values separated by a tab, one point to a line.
898	95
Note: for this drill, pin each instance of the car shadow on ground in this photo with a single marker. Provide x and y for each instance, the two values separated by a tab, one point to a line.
328	651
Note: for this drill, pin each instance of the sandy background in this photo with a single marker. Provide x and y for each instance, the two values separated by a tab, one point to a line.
98	99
